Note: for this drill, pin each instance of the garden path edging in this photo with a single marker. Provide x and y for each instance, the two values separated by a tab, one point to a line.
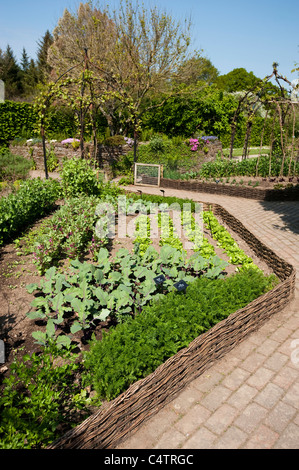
287	194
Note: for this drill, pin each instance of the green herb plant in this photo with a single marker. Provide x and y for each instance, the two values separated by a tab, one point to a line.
137	347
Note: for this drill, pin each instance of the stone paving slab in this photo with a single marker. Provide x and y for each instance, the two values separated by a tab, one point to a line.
249	399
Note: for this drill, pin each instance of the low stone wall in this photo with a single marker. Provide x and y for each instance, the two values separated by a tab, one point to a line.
106	156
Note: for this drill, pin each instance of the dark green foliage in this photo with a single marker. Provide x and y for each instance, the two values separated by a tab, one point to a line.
136	348
11	74
14	118
20	119
33	200
237	80
240	80
114	141
208	110
29	75
42	55
61	121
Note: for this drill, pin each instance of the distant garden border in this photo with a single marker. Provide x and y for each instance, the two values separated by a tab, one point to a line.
116	419
284	194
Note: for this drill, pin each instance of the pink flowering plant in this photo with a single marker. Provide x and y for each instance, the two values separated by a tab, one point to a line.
196	143
69	141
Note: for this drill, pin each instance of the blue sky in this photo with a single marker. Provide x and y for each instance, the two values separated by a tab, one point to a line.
232	33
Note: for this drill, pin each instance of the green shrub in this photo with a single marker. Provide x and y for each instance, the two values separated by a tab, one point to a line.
16	119
157	144
78	177
114	141
136	348
34	198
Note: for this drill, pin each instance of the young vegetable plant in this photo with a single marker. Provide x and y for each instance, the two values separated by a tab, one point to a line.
117	289
68	233
236	255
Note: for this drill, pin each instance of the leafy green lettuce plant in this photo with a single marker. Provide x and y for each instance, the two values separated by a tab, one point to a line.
227	242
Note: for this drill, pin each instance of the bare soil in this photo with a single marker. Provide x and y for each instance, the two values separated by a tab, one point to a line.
17	271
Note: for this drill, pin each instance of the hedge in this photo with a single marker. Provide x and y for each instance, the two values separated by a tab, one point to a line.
15	118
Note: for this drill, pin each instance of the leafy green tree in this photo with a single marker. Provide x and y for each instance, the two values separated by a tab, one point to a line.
82	40
207	110
25	61
237	80
196	69
131	52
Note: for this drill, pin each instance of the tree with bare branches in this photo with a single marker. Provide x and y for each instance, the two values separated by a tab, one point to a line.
131	52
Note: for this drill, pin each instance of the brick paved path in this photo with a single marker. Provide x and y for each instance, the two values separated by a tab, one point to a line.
249	399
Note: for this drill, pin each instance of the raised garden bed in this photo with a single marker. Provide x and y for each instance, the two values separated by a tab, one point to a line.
114	420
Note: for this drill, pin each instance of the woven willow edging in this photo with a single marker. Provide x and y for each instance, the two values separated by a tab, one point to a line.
112	423
287	194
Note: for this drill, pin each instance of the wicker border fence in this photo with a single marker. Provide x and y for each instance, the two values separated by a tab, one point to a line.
286	194
115	420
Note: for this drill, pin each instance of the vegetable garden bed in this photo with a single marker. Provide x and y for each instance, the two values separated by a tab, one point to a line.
114	420
83	293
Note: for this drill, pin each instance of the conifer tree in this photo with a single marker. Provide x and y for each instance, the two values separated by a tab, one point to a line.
43	68
11	74
25	61
29	76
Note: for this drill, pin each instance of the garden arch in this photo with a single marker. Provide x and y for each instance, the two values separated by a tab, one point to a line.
281	107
